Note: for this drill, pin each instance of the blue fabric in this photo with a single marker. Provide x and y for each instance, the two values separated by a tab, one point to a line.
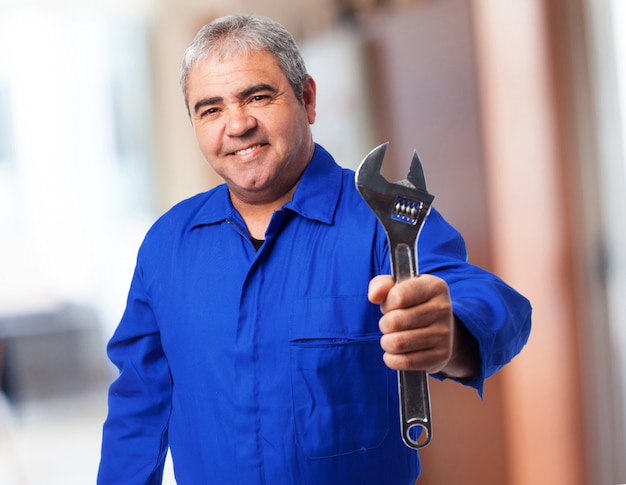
264	367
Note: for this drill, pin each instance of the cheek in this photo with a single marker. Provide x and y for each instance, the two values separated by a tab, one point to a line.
207	147
205	138
295	128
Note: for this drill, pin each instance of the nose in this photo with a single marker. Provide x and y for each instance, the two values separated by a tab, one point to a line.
239	122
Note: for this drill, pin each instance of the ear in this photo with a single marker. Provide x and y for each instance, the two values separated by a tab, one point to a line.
309	93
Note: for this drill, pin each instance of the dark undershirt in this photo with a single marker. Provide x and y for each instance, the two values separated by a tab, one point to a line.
257	243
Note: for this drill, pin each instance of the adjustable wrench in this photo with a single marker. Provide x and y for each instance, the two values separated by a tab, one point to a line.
402	208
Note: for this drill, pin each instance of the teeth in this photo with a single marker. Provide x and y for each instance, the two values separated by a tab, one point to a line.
247	150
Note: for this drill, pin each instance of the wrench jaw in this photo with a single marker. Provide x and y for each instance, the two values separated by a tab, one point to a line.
402	208
416	176
369	174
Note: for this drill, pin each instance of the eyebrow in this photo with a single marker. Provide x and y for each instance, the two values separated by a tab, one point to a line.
241	95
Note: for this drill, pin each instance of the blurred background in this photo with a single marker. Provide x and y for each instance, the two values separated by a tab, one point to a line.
516	108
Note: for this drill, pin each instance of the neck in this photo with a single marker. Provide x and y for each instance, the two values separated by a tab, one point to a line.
257	216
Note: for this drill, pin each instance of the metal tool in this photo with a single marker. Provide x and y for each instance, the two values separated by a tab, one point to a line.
402	208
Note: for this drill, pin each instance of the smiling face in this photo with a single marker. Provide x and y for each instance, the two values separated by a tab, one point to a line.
250	126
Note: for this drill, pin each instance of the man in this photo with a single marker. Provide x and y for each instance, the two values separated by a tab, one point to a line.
248	345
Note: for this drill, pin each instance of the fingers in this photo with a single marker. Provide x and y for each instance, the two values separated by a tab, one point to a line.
385	292
426	349
417	322
424	299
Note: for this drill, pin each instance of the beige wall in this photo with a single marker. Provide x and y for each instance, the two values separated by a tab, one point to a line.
527	207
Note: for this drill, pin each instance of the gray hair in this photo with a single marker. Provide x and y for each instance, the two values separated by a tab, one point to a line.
234	35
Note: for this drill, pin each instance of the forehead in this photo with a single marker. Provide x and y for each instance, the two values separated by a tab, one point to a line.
218	77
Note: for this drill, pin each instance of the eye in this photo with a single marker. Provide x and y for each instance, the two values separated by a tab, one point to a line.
257	98
209	111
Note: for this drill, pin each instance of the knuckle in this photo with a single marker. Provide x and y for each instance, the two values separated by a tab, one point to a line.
389	322
392	343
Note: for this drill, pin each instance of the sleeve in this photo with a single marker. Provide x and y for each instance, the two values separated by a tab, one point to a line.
135	439
496	315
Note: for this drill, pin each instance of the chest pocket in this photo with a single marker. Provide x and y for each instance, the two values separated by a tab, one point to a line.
340	384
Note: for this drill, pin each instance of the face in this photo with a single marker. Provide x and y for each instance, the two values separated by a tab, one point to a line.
250	126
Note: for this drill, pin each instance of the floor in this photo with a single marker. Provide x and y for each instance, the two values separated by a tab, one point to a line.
54	441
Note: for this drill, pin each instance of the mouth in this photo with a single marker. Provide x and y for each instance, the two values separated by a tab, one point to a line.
248	150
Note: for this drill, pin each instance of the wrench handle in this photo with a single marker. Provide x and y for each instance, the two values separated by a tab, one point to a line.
412	385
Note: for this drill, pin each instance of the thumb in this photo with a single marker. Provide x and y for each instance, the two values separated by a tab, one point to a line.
379	288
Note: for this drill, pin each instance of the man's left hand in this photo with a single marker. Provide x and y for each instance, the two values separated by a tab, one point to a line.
419	329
